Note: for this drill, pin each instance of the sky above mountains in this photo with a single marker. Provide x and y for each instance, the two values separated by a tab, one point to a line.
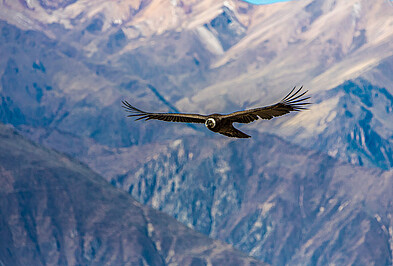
265	2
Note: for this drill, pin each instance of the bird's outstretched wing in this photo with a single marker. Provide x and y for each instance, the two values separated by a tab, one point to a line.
292	102
170	117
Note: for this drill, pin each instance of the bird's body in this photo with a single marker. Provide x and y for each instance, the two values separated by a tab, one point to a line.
223	124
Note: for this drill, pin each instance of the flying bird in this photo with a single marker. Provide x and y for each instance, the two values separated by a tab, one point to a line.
294	101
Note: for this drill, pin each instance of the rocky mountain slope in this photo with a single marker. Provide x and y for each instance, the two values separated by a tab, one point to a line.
65	66
361	111
281	203
56	211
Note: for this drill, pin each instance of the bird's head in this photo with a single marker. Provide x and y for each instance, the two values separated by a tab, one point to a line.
210	123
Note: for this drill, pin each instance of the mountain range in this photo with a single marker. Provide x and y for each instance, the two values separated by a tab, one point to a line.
281	203
56	211
65	66
77	61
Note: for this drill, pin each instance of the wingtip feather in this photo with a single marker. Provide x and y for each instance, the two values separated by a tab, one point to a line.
295	100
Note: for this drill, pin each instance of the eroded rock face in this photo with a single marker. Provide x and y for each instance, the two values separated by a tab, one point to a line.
227	28
252	193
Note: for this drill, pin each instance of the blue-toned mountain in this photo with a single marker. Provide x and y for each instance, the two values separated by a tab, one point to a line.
56	211
281	203
63	79
64	71
361	111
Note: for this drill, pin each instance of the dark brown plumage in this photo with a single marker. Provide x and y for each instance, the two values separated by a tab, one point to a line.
223	123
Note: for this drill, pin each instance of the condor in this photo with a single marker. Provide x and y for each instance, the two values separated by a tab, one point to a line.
294	101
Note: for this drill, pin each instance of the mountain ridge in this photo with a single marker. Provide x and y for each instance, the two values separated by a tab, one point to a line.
57	211
64	73
252	193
